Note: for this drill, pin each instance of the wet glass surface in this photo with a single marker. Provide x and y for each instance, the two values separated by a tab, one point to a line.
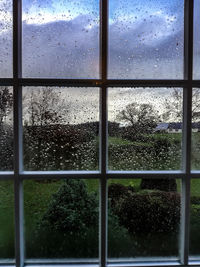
60	39
146	39
6	128
61	128
143	218
6	39
145	128
196	43
61	218
7	234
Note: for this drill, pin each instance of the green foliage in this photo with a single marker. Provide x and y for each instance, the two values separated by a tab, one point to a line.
58	147
6	147
195	199
161	145
72	210
6	102
194	229
168	185
147	211
117	191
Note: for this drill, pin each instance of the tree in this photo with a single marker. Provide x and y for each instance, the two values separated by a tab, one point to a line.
174	105
73	209
6	103
44	106
142	117
44	112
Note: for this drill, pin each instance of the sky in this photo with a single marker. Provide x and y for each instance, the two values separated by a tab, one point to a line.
61	39
145	38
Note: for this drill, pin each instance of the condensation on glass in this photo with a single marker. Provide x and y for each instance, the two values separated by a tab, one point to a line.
6	128
60	39
7	235
144	218
195	153
60	128
194	245
6	38
196	43
61	218
144	128
146	39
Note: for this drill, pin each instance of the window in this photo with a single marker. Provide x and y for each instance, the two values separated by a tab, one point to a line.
99	142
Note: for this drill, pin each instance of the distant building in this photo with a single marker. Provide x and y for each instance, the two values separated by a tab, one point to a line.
162	127
175	127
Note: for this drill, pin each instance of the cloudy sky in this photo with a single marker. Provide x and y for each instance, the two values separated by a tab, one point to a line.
61	39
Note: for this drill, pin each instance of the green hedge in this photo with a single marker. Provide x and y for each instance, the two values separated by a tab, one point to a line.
145	211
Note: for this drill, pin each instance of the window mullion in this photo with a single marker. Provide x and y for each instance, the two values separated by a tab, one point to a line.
103	148
187	108
18	158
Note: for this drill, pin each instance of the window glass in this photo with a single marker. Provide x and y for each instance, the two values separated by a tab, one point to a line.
196	43
6	38
61	127
7	235
195	218
145	128
146	39
195	129
143	218
60	38
6	128
61	218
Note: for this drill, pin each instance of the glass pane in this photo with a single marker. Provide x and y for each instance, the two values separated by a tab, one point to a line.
195	218
7	235
6	128
61	218
61	128
195	129
6	39
145	128
61	38
196	52
143	218
146	39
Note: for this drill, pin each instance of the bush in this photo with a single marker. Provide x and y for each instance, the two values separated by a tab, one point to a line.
6	147
168	185
56	147
72	210
149	211
116	191
161	145
195	200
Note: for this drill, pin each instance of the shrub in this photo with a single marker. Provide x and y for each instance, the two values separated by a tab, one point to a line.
161	145
168	185
116	191
149	211
6	147
72	210
55	147
195	200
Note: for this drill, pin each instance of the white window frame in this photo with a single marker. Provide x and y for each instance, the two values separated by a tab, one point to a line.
185	174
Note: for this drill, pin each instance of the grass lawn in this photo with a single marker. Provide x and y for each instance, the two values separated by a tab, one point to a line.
146	152
37	196
6	220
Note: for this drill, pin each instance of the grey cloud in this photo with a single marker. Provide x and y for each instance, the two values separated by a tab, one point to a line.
70	49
